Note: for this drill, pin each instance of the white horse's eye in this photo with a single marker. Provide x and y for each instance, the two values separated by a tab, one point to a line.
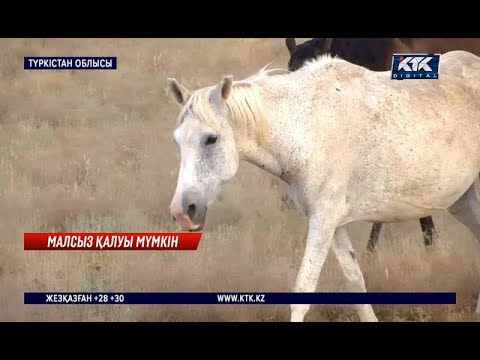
211	139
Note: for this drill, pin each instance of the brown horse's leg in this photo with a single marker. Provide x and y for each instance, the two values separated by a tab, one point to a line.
428	229
374	236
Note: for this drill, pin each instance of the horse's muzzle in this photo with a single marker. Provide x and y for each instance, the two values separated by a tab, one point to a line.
184	221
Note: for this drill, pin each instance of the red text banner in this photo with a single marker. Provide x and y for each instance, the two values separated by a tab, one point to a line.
112	241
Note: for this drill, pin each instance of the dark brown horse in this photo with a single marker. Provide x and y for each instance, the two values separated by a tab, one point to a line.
373	53
376	54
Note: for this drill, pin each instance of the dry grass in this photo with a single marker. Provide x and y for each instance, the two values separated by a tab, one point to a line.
92	150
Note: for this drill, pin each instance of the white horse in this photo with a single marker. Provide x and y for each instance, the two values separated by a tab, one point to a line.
351	144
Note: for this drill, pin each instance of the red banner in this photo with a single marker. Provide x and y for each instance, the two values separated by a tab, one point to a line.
112	241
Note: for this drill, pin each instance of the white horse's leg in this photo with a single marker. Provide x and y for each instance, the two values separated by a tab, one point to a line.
343	249
467	211
319	241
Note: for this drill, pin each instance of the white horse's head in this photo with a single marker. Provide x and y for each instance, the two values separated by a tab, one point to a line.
208	153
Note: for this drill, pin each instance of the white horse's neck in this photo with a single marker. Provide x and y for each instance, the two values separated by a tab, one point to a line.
260	157
278	151
272	157
285	109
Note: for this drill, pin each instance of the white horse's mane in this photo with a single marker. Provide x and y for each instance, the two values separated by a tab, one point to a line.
311	64
244	102
320	62
263	73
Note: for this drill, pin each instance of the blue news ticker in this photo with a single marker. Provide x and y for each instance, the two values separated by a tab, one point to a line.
228	298
70	63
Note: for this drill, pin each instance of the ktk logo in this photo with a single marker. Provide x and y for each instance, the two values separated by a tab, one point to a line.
415	66
418	63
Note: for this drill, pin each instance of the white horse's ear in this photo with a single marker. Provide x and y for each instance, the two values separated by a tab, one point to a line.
179	93
225	86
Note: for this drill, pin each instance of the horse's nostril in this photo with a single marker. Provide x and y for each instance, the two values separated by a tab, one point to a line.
173	217
191	210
